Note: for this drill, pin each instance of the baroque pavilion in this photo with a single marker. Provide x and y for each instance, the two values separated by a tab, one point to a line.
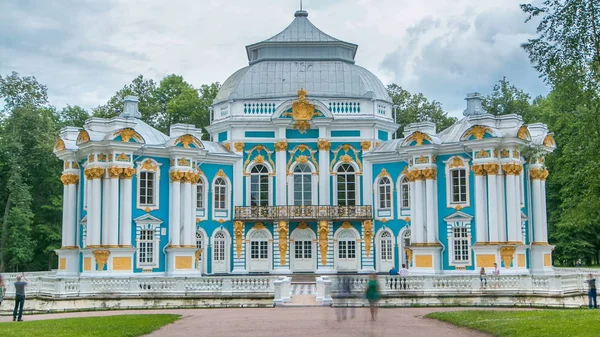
303	174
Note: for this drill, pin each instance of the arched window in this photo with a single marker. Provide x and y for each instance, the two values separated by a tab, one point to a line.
220	194
302	185
346	185
259	186
404	193
386	246
219	247
385	193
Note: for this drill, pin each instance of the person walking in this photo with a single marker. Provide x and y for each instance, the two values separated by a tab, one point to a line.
373	295
591	281
483	278
579	263
19	297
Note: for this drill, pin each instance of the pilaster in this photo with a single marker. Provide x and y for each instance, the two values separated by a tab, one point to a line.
239	254
324	146
280	173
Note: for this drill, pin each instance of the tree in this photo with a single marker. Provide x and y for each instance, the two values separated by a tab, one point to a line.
569	36
73	116
19	91
413	108
141	87
508	99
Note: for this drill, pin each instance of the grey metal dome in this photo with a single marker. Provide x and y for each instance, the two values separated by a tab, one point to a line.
302	56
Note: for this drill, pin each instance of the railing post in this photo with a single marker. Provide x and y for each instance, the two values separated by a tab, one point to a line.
227	287
277	298
327	291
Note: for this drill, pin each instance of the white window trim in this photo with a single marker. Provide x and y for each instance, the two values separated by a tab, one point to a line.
227	202
227	250
402	211
459	219
248	178
202	213
377	194
379	248
357	183
249	249
139	169
314	253
401	246
314	182
148	223
448	170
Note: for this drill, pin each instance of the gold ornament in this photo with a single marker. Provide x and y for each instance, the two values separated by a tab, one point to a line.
101	257
383	173
506	254
127	134
523	133
422	160
281	146
259	159
302	112
115	171
478	169
549	141
418	137
187	140
128	172
94	173
239	146
482	154
59	145
183	162
477	131
491	169
70	179
227	146
221	173
368	235
122	157
302	225
83	137
148	165
323	245
238	230
302	159
365	145
283	233
429	173
512	169
456	162
176	175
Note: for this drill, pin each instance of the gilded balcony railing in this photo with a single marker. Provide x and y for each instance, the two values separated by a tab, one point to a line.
265	213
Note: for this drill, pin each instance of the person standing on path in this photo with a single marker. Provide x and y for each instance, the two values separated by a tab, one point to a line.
19	297
373	295
591	281
483	278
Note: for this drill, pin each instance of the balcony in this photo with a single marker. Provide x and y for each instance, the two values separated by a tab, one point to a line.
293	213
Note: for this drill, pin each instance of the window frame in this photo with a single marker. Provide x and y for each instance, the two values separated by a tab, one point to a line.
148	223
459	221
450	167
202	188
384	212
154	168
357	184
221	213
264	173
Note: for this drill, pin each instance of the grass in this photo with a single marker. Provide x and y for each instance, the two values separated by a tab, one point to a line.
532	323
107	326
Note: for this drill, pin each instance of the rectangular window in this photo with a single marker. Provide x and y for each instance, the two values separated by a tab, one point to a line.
220	197
385	196
307	250
351	249
259	250
146	188
219	250
146	247
405	195
459	186
386	250
342	249
298	249
461	244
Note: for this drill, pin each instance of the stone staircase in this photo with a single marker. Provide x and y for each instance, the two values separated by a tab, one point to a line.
304	290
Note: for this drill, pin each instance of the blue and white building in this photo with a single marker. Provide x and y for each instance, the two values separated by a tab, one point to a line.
303	174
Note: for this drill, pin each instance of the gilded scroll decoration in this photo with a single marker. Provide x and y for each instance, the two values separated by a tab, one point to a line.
323	241
238	232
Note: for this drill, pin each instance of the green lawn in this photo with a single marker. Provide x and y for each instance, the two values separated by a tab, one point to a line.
526	323
108	326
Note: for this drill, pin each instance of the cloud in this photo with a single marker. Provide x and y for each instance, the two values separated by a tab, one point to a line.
86	50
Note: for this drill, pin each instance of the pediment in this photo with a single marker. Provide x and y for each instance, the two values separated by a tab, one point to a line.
147	219
458	216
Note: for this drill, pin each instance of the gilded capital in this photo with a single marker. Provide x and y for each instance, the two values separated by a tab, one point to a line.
281	146
227	146
239	146
538	174
101	258
478	169
128	172
512	169
491	169
115	171
176	176
429	173
323	144
365	145
69	179
189	177
94	173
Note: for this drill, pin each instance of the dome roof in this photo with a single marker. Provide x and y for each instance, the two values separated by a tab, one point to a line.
302	56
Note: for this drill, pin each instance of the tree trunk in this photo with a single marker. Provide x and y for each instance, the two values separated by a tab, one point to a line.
4	235
595	36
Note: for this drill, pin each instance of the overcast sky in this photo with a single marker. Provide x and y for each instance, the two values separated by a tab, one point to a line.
85	50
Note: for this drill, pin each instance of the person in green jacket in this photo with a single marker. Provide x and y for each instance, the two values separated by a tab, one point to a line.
373	295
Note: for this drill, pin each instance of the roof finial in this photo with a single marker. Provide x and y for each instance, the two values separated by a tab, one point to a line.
300	4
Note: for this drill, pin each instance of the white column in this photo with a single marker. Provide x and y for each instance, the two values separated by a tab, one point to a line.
480	204
186	240
105	210
538	219
71	216
544	210
517	202
501	207
175	212
413	208
65	214
238	199
492	181
431	211
95	212
324	175
419	216
511	209
281	174
194	198
126	205
367	183
113	213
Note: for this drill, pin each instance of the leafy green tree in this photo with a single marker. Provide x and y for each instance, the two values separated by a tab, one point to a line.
73	116
18	91
411	108
508	99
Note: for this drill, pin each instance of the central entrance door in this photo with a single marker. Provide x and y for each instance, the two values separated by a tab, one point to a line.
346	251
303	251
219	262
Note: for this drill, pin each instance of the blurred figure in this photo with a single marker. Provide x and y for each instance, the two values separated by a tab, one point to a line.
579	263
373	295
2	289
345	297
591	281
403	274
483	278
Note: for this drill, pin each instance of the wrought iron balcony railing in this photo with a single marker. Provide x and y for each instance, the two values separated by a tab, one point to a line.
274	213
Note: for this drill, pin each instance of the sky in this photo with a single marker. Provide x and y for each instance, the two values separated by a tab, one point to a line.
86	50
